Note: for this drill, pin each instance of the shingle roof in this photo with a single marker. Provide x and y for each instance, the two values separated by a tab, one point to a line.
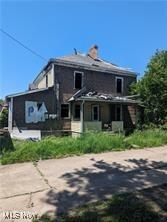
86	60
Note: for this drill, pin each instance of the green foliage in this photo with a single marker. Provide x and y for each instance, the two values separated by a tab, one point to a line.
152	89
1	101
57	147
4	118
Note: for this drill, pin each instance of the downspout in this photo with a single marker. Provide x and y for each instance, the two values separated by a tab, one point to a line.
82	117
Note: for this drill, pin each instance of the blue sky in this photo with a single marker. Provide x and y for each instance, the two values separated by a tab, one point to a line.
127	33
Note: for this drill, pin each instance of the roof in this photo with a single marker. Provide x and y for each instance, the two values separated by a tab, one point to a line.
98	64
26	92
84	61
99	97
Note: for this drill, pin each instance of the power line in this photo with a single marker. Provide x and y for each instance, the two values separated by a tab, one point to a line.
24	46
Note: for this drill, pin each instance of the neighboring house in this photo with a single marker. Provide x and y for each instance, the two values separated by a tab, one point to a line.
74	94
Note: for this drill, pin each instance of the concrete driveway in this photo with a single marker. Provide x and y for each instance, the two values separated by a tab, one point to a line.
55	186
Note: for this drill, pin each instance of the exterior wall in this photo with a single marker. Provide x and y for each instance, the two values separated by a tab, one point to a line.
92	125
64	89
117	126
94	81
107	113
47	97
76	126
42	83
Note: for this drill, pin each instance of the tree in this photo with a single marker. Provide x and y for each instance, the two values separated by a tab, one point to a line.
152	89
4	118
3	115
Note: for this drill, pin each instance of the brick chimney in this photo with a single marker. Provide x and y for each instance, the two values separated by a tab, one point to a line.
93	52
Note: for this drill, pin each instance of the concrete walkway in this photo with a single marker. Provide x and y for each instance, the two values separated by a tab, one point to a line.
58	185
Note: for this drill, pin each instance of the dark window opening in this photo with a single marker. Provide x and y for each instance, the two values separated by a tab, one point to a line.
46	80
64	110
118	113
77	112
95	113
119	85
78	80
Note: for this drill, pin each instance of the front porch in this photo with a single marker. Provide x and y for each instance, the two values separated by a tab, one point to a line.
101	116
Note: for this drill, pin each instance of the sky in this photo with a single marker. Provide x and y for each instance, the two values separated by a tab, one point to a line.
126	32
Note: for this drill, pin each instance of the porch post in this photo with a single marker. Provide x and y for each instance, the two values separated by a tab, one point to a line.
82	117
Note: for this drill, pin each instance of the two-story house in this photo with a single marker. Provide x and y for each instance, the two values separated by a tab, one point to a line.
74	94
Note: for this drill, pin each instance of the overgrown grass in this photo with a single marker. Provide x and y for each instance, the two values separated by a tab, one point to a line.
57	147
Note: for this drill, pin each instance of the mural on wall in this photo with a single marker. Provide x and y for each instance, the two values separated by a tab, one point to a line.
35	112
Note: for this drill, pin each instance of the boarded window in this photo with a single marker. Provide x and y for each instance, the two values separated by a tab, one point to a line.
64	110
95	112
78	80
77	111
119	85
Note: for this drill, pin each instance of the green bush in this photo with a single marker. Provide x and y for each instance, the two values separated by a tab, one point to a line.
4	118
57	147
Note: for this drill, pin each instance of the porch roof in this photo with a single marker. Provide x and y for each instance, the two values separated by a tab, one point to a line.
97	97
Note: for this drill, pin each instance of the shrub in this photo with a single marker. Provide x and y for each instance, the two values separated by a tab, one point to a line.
57	147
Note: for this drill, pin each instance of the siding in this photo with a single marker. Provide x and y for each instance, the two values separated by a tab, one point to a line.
94	81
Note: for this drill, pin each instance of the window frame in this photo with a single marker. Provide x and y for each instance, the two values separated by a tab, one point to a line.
82	73
98	119
122	87
68	111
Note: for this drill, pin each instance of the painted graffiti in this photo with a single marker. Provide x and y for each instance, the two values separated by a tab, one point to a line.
35	112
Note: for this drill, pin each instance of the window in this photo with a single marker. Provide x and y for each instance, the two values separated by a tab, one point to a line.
64	110
95	113
77	111
118	113
46	80
119	84
78	80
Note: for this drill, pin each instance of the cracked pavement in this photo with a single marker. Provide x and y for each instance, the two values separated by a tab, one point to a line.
57	185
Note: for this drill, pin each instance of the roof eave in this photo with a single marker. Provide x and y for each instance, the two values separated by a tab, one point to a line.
26	92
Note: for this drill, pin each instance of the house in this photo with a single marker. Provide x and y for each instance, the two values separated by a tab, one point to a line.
74	94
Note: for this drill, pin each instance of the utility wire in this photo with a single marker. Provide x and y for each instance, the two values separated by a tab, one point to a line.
24	46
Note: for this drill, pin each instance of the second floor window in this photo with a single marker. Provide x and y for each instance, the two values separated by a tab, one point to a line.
78	80
119	85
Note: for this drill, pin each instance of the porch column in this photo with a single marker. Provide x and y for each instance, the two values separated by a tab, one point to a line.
82	116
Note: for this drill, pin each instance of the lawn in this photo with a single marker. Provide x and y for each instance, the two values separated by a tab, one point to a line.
148	205
58	147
